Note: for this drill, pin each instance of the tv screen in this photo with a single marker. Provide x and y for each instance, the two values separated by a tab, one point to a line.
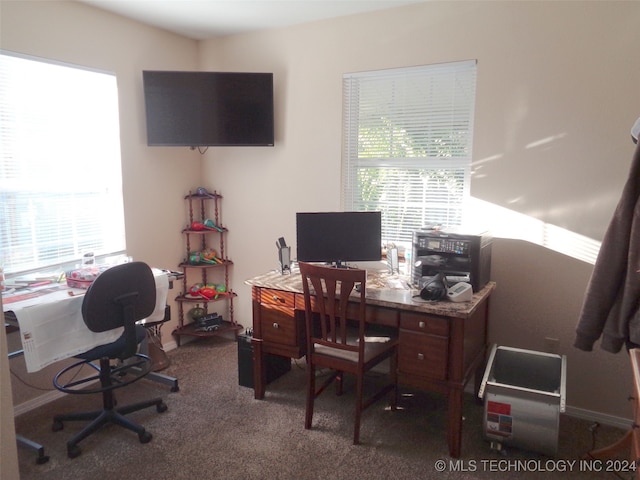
337	237
208	108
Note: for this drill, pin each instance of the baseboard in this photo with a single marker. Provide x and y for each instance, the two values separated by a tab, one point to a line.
581	413
167	347
37	402
602	418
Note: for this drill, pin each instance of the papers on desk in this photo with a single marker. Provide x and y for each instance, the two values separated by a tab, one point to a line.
397	284
52	328
26	293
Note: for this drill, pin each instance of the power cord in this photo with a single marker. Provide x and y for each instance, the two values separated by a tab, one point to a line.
36	387
594	430
27	384
200	150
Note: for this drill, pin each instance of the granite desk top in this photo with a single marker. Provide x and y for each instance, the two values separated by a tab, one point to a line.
383	289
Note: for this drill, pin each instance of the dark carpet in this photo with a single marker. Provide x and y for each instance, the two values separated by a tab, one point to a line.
215	429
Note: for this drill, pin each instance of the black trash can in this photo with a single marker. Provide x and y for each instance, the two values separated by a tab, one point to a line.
276	365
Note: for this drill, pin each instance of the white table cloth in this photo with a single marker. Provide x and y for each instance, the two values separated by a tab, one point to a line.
52	328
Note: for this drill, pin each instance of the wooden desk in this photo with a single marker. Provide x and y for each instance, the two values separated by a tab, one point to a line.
442	345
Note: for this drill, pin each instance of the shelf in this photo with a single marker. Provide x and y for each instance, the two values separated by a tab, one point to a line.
205	231
206	265
221	298
207	221
208	196
191	330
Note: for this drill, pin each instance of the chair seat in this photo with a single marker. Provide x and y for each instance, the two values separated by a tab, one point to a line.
113	349
373	347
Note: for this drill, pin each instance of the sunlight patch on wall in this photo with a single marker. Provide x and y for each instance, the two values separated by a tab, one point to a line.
545	141
504	223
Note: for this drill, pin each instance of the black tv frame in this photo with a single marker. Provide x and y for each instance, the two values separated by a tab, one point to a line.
205	109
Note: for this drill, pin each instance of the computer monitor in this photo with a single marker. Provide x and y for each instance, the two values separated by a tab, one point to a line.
338	237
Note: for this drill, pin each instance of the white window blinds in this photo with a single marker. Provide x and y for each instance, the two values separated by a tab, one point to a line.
408	136
60	171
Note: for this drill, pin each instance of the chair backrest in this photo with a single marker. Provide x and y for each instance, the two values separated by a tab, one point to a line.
119	297
327	293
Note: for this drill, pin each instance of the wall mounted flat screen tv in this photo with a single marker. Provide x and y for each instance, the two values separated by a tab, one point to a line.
208	108
338	237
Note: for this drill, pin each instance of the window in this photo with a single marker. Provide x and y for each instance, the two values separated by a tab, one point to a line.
60	172
408	136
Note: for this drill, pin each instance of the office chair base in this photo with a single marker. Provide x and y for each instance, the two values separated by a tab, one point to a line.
39	449
103	417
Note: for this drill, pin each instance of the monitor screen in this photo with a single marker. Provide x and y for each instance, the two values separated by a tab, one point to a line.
208	108
336	237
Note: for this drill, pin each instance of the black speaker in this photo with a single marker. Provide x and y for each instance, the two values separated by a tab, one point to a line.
276	366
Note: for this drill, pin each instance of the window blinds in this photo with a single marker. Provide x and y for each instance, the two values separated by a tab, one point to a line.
60	172
408	136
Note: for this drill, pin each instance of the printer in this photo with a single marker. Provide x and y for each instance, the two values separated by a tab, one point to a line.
459	255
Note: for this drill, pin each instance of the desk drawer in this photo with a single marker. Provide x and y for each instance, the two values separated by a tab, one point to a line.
374	315
423	355
382	316
278	325
419	322
277	298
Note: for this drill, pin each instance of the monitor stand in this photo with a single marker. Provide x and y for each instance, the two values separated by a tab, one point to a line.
340	264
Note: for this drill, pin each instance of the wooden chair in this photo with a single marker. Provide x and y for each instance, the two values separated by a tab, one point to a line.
335	345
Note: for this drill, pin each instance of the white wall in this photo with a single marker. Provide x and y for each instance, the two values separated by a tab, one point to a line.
557	95
155	180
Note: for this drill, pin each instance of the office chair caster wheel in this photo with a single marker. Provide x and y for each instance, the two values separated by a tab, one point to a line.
73	451
145	437
161	407
57	426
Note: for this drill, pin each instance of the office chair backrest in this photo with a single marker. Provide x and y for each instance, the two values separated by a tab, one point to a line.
119	297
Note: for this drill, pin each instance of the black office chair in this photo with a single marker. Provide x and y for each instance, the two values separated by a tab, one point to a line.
118	297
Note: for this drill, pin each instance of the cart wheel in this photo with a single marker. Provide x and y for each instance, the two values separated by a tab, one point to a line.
145	437
161	407
57	426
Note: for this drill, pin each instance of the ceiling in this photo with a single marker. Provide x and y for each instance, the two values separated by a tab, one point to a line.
201	19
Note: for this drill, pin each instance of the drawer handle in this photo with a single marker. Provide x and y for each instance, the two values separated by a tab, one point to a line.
276	298
421	324
275	325
420	356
